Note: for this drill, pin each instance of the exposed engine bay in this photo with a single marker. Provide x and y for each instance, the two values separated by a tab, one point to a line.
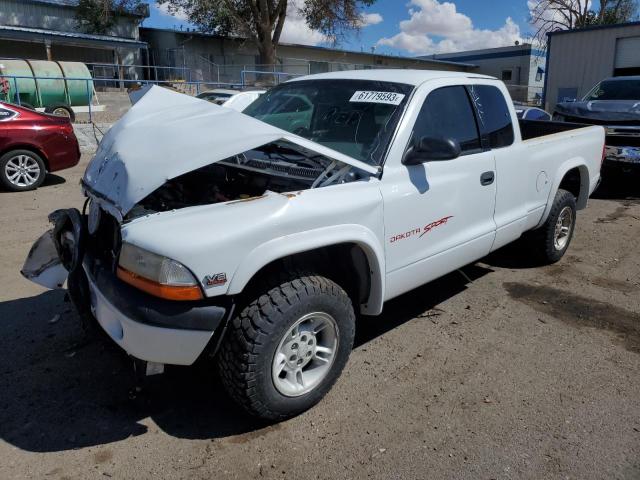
277	167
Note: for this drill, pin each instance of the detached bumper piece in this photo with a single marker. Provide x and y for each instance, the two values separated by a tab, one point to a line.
622	155
147	327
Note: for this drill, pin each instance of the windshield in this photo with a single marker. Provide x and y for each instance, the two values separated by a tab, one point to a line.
615	90
354	117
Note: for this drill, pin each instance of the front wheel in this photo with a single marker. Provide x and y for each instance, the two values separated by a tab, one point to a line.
552	240
287	347
21	170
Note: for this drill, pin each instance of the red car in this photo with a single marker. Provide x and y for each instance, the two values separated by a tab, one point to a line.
33	144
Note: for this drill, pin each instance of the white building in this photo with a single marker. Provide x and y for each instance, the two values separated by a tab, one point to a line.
521	67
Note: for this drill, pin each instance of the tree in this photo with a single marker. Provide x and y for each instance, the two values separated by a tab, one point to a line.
551	15
262	21
619	11
99	16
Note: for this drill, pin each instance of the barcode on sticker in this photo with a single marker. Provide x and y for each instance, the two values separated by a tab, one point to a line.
389	98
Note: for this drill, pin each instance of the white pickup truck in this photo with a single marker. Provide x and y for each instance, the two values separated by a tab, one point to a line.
255	238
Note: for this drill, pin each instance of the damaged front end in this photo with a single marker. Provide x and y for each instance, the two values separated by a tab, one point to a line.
222	156
58	251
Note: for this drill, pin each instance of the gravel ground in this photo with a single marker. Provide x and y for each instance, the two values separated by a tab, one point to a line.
520	372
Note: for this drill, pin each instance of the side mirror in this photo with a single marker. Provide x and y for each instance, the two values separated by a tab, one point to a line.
431	148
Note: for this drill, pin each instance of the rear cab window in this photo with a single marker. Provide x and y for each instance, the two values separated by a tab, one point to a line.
494	118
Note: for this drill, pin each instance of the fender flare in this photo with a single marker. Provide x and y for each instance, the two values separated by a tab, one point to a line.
313	239
581	201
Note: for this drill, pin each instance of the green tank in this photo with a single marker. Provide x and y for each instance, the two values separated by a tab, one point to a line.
48	88
25	86
77	89
53	91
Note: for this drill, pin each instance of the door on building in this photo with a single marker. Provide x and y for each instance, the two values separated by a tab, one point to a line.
627	61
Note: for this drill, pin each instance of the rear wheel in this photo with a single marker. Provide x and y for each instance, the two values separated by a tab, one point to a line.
61	110
288	346
21	170
552	240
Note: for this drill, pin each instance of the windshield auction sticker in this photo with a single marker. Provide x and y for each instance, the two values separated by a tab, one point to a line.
390	98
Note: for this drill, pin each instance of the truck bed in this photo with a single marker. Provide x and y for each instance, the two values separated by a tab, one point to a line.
539	128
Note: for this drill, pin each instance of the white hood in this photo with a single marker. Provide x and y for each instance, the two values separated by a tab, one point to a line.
167	134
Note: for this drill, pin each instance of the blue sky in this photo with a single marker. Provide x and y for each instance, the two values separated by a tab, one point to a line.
411	27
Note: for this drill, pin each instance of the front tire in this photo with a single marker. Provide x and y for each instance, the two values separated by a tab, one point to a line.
285	350
552	240
21	170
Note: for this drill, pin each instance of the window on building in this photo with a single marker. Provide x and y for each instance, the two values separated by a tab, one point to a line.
447	113
539	74
507	75
493	115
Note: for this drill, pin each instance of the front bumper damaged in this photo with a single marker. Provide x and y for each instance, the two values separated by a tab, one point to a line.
146	327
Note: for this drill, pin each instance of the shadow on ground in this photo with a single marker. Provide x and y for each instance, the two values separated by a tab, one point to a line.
52	179
63	389
619	186
49	181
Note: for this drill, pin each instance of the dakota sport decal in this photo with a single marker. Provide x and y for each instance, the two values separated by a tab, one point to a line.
420	231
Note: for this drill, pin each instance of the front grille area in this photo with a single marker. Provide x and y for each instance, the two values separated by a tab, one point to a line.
622	141
104	244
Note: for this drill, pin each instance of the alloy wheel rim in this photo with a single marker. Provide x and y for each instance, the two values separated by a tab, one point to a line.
61	112
305	354
563	228
22	171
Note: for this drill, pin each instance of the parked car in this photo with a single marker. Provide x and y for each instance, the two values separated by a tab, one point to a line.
237	100
615	104
212	233
33	144
527	112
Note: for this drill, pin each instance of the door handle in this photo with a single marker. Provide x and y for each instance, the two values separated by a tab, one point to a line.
487	178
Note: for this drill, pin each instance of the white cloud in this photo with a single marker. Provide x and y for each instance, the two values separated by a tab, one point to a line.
370	19
295	27
453	30
180	14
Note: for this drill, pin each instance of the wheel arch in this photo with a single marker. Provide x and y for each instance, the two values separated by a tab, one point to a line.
351	255
573	176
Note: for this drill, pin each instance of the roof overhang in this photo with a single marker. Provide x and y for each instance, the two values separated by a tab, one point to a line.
142	11
28	34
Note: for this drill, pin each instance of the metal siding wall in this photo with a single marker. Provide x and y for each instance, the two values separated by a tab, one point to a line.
581	59
23	14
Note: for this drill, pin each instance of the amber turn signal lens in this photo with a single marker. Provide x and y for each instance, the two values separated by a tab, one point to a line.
170	292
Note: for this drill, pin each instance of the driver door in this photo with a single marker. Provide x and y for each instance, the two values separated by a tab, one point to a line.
438	215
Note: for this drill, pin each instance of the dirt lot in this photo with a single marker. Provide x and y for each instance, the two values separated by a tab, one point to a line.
521	373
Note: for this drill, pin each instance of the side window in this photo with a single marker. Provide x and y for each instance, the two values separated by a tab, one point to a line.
537	114
494	119
447	113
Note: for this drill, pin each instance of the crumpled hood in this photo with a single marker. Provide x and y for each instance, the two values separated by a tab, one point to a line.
604	110
167	134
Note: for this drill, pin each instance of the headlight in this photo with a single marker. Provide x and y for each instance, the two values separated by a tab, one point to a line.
157	275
